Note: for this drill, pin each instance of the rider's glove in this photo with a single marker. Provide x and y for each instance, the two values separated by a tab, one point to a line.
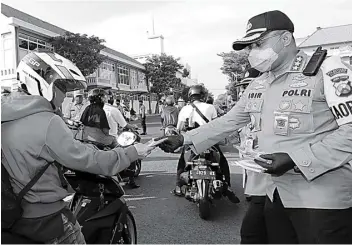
172	143
281	163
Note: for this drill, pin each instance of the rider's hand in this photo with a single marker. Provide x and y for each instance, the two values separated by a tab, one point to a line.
143	150
281	163
172	143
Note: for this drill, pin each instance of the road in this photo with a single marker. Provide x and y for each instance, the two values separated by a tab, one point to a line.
163	218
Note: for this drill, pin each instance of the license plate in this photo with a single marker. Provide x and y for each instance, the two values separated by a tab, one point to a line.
202	174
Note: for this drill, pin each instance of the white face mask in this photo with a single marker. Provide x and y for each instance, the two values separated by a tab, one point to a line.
262	60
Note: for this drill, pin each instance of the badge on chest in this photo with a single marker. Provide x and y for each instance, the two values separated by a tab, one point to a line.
281	123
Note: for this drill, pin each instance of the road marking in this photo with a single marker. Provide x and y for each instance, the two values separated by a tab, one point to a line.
138	198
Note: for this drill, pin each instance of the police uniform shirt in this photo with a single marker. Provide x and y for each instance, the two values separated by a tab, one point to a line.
308	117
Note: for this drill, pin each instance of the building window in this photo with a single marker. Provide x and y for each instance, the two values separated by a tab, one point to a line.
123	75
29	43
134	80
350	60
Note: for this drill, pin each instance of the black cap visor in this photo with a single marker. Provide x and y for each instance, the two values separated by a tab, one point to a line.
248	39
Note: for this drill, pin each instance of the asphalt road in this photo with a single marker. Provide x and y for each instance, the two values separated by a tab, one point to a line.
163	218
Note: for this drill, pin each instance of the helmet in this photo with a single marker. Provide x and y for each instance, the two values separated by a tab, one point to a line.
210	100
97	96
197	91
170	100
38	72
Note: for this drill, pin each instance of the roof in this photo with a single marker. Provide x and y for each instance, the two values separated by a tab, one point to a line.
11	12
121	55
329	35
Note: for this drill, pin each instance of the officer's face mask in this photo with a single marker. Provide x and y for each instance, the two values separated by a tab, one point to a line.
261	58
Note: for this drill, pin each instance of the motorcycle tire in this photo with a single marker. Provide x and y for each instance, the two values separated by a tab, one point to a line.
204	204
129	233
138	168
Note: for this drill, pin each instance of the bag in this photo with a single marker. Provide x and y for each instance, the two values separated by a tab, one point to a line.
222	142
11	209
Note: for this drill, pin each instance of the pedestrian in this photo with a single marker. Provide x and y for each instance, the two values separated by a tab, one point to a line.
142	116
301	111
76	108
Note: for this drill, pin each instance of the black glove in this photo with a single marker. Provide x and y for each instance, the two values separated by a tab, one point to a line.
172	143
281	163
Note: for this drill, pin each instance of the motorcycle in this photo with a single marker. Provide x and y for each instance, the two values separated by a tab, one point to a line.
98	206
204	180
127	138
170	130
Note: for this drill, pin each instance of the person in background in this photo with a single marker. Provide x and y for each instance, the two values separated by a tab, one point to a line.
188	114
120	107
76	108
142	116
95	121
210	100
117	124
169	115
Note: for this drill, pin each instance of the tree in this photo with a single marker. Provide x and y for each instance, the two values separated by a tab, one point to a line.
161	71
82	50
234	66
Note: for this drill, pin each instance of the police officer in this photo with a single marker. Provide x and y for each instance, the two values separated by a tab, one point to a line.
77	107
302	113
253	229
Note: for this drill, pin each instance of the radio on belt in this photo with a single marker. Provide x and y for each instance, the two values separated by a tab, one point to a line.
315	62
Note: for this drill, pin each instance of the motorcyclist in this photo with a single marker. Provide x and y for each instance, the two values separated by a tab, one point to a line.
95	120
33	135
169	115
197	95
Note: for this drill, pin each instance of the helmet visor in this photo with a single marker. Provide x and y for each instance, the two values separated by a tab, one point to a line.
69	85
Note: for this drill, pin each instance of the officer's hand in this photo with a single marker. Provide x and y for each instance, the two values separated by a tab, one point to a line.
281	163
172	143
143	150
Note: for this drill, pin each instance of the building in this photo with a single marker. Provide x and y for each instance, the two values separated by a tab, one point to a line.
22	33
337	40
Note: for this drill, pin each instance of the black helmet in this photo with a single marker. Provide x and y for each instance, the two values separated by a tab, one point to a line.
210	100
197	92
97	96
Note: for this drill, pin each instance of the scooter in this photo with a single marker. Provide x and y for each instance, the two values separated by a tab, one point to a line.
133	138
203	179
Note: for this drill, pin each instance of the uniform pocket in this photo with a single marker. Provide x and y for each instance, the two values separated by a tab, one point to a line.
254	108
300	118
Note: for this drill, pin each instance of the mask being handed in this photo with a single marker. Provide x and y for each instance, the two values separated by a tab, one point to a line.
262	60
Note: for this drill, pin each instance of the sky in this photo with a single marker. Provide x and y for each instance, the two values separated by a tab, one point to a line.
194	30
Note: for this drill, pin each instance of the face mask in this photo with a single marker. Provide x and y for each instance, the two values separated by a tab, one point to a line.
262	60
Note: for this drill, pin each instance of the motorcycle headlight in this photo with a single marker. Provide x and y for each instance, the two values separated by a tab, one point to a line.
126	138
